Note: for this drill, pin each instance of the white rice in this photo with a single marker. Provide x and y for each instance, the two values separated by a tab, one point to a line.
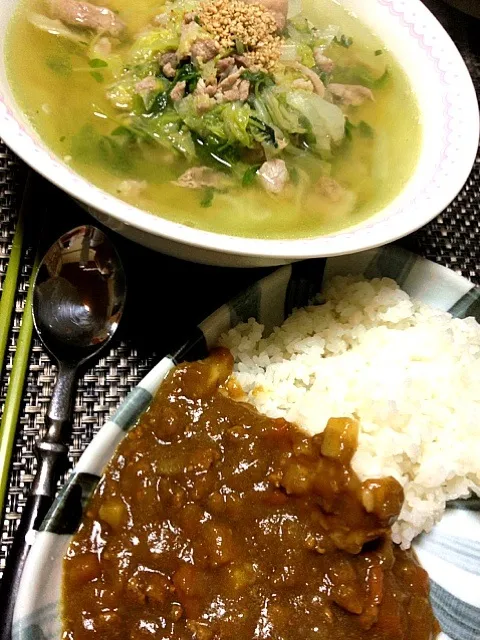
410	373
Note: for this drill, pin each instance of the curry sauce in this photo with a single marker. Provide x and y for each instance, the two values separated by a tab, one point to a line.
215	522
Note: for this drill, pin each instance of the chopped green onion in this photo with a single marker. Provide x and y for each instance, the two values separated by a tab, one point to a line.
96	63
365	130
294	175
250	175
96	75
61	65
349	127
343	41
207	197
239	46
382	80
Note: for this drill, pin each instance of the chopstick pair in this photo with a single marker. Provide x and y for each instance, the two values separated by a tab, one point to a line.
16	383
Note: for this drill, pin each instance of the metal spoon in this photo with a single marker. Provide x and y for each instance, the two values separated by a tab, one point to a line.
78	300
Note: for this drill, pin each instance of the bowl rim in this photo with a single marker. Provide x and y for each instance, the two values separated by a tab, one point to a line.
373	232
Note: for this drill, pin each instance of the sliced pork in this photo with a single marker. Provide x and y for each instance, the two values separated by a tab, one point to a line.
86	16
350	94
202	177
273	175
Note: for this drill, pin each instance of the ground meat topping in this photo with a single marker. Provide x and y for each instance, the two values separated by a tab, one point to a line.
178	91
204	50
239	91
168	63
204	89
251	26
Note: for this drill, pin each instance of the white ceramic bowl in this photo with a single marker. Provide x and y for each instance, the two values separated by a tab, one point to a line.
449	113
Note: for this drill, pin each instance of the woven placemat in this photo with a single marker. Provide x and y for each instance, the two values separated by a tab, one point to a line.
187	293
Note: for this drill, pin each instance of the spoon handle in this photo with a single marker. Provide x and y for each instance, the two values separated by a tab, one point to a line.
51	453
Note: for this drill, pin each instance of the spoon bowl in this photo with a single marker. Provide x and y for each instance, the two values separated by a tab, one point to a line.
79	294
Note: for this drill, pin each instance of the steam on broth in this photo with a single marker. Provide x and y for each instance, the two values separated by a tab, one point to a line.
221	115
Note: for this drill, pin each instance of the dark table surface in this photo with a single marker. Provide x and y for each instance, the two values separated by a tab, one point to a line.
168	296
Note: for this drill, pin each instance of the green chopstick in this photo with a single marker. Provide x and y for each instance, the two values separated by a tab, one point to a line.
7	300
8	425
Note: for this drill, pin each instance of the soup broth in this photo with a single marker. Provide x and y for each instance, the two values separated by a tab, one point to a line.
70	89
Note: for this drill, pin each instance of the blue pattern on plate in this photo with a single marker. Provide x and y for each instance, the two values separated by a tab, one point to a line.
458	619
127	414
461	552
36	626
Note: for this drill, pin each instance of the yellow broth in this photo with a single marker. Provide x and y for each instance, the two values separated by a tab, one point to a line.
60	98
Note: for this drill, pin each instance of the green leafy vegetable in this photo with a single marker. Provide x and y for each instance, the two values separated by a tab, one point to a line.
280	112
159	103
209	123
306	54
61	65
147	47
228	123
378	52
97	76
363	128
343	41
349	127
302	32
187	73
262	132
167	130
325	77
294	175
123	93
360	75
308	139
96	63
236	120
216	152
114	152
125	132
326	119
259	79
250	175
207	198
381	82
302	25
